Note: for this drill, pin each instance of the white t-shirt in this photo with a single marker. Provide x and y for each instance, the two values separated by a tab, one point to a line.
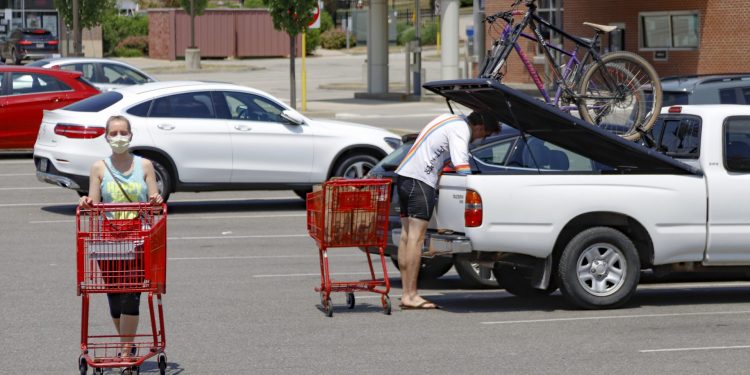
445	137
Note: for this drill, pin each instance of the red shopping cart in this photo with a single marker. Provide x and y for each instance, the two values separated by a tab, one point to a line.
350	213
122	248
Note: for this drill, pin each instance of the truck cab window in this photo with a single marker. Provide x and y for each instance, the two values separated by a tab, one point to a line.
737	144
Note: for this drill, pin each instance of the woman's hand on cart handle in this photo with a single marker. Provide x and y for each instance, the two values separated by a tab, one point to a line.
85	202
155	199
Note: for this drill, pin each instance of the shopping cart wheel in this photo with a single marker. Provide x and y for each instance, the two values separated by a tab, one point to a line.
350	300
162	361
386	301
98	371
328	307
82	365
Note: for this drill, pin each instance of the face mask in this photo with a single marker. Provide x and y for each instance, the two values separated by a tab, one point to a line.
119	144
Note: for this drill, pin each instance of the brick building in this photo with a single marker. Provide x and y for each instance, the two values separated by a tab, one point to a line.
676	36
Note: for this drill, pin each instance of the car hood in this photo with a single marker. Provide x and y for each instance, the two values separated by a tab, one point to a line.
546	122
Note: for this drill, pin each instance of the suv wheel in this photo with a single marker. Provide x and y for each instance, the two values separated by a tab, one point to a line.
355	166
430	268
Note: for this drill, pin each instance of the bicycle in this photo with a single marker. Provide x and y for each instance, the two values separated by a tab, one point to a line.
617	91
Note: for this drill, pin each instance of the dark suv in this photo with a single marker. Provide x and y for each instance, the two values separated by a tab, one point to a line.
33	44
706	89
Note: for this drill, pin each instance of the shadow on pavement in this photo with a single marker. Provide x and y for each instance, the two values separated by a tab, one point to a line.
151	367
181	208
16	155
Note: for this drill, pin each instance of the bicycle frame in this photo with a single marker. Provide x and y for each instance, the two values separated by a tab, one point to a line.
574	66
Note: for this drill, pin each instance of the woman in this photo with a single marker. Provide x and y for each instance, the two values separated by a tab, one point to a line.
122	178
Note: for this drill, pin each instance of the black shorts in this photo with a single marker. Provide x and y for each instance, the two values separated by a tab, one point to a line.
415	198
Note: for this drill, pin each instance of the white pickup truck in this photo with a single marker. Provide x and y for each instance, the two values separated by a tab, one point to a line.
607	208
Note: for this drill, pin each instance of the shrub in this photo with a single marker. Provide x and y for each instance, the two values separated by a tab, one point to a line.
336	39
254	4
128	52
406	35
326	21
139	42
428	34
115	28
313	40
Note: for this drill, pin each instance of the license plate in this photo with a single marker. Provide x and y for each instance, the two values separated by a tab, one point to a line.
40	45
43	165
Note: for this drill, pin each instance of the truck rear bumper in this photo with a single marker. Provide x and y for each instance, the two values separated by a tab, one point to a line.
439	243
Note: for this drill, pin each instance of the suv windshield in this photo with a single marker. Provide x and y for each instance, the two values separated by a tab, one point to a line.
95	103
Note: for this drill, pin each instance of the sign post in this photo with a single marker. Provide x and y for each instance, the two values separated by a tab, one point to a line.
314	24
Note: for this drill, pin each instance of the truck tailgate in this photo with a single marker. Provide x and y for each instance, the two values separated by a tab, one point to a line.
449	214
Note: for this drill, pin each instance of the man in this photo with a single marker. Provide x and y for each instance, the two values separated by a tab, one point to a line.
446	137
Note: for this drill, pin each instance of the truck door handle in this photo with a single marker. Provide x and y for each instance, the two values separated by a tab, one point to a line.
243	127
165	126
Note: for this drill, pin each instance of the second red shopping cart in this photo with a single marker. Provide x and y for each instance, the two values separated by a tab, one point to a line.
350	213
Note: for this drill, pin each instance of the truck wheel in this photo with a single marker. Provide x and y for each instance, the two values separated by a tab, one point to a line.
517	281
599	269
430	268
472	274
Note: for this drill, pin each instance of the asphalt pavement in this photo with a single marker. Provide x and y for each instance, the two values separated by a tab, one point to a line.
240	299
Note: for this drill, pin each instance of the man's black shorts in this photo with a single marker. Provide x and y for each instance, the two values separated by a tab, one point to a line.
416	198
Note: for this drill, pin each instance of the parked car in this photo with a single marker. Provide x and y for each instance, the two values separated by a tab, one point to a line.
26	92
706	89
208	136
105	74
27	43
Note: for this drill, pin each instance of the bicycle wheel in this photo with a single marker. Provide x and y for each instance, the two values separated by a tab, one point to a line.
621	94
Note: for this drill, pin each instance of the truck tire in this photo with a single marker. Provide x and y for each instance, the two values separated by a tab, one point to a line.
472	274
599	269
430	268
517	281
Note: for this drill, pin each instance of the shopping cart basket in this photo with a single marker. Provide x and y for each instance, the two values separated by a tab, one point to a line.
350	213
122	248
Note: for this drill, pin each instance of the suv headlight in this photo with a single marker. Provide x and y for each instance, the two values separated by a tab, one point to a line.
393	142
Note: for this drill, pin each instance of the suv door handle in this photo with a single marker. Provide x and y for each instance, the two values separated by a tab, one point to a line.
56	99
165	126
243	127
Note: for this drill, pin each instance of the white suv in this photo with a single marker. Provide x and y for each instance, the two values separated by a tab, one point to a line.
208	136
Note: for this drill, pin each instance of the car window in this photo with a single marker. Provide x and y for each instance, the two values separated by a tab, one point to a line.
187	105
95	103
86	68
535	153
244	106
737	144
141	110
495	154
121	75
32	83
674	98
678	136
735	95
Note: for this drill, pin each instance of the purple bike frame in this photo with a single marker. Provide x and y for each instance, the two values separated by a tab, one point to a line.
566	72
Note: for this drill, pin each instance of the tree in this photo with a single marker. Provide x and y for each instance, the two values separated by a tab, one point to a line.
291	16
194	8
90	13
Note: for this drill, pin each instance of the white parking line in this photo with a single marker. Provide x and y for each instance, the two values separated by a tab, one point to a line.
312	274
172	218
693	349
30	188
617	317
171	201
237	237
260	257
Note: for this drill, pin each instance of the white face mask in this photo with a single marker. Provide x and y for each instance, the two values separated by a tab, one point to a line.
119	144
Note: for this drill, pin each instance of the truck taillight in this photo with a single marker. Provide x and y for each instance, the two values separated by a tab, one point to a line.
675	109
78	131
473	209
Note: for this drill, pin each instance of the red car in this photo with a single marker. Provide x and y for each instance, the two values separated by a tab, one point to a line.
26	92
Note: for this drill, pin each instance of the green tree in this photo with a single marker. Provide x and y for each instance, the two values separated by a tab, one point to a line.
292	17
90	13
193	8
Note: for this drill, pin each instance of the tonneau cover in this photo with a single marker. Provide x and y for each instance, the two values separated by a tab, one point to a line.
547	122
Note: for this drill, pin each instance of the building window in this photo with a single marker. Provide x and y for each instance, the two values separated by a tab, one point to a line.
669	30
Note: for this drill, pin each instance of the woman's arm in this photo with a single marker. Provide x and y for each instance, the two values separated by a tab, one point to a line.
95	183
150	176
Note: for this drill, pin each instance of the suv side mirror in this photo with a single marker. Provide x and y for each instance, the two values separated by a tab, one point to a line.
293	117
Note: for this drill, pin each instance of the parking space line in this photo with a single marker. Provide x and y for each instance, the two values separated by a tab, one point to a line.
617	317
173	218
237	237
312	274
694	349
259	257
171	201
